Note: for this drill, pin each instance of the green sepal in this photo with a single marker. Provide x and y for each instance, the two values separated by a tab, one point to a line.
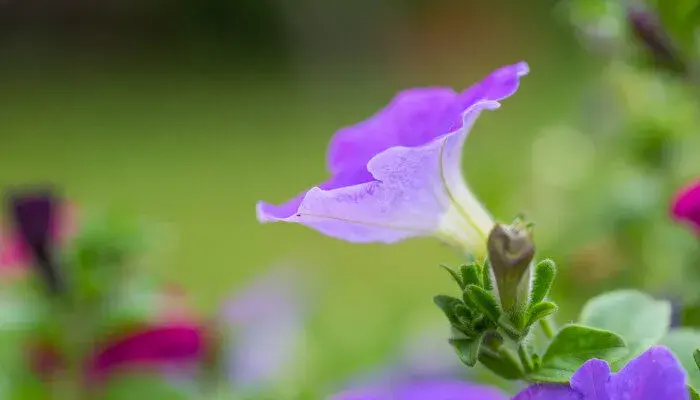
471	274
447	305
467	349
454	275
484	301
544	274
540	311
486	277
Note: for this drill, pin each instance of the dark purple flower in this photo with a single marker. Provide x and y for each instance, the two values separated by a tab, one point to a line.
653	375
425	390
34	218
686	205
398	174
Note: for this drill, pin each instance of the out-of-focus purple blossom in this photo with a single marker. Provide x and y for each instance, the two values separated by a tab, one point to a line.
655	374
426	363
686	205
266	323
427	354
424	390
398	174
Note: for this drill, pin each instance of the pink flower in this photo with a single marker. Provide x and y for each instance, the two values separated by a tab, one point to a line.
178	344
175	340
686	205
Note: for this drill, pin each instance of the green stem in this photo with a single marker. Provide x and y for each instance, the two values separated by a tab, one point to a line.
548	328
525	358
508	356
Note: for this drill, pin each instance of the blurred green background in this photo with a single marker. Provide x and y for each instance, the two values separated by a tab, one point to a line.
189	112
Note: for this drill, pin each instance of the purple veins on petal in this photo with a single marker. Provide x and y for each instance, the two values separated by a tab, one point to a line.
398	174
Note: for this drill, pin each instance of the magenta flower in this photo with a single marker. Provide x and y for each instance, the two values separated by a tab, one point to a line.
425	390
655	374
174	345
175	341
686	206
398	174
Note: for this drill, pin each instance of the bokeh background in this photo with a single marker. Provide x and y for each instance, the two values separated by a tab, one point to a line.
189	112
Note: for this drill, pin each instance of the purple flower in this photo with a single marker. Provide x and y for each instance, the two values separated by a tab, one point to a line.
655	374
425	390
686	206
398	174
266	320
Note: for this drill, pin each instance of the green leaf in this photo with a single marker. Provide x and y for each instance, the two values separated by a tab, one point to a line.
540	311
447	305
693	394
696	356
454	275
467	349
470	275
640	319
544	274
484	301
505	368
573	346
683	342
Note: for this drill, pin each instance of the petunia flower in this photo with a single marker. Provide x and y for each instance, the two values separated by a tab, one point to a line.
266	322
174	341
686	205
174	345
655	374
15	254
424	390
398	174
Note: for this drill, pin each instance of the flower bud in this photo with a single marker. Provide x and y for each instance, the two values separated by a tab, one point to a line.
654	38
511	251
34	213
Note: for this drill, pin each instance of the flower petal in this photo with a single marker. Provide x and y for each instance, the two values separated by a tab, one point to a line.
413	188
398	174
425	390
266	320
157	346
655	374
448	390
415	117
591	379
686	206
548	392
